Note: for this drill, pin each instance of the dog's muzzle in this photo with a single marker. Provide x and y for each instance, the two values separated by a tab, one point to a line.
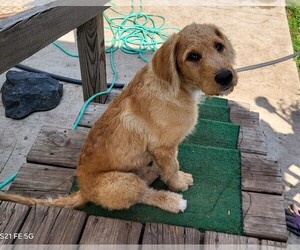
224	78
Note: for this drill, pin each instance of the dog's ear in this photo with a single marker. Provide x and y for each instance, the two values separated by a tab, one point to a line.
230	49
164	61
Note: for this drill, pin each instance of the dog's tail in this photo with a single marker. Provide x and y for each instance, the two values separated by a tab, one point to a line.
73	200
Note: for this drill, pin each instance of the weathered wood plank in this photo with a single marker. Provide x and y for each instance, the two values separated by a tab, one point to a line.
263	185
35	31
112	95
240	114
48	181
240	111
95	110
192	236
52	225
166	234
264	216
252	146
92	113
261	159
252	140
241	106
254	204
252	134
272	245
8	145
57	146
100	230
91	48
214	238
12	216
260	174
61	147
250	120
24	15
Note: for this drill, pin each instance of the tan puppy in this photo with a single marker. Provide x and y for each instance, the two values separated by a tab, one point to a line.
137	137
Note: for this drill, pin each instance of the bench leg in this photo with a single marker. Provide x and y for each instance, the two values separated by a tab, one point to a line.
91	48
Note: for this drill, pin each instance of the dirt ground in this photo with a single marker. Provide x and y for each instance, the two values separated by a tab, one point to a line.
258	34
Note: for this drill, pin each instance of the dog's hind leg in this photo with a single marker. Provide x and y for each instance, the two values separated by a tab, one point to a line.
149	173
165	200
119	190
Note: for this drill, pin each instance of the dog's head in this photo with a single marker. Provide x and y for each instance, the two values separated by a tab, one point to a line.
198	57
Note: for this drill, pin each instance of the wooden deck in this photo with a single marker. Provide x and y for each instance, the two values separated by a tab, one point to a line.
51	168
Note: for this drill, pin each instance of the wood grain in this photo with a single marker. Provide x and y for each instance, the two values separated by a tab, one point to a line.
238	106
95	110
37	28
48	181
92	113
24	15
91	48
264	216
250	120
12	216
112	95
259	174
52	225
57	146
156	234
240	114
214	238
61	147
100	230
252	140
271	245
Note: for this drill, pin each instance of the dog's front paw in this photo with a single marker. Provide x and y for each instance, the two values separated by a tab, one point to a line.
182	182
175	203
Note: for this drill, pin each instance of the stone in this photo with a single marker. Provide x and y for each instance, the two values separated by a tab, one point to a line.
25	92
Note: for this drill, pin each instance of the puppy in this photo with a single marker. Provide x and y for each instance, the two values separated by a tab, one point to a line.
137	138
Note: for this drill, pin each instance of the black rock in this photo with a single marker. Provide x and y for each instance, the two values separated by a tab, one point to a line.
24	93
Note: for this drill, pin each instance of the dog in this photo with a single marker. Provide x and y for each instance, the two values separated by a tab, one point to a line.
136	139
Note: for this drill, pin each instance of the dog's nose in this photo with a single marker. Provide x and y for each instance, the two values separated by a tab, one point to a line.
224	77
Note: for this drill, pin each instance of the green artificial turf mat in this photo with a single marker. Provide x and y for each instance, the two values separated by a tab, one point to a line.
214	133
215	101
210	155
214	112
213	201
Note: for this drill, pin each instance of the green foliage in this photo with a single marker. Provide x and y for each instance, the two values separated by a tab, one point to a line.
293	13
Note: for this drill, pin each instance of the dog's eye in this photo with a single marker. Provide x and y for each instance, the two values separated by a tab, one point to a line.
193	57
219	47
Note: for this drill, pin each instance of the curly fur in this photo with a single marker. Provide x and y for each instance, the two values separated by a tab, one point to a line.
144	125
